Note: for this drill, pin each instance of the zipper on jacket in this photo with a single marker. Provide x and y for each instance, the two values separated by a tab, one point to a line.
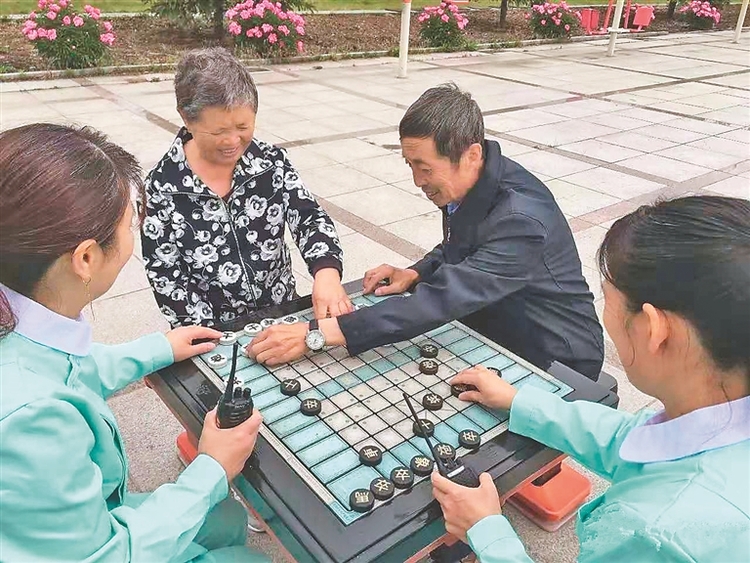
239	251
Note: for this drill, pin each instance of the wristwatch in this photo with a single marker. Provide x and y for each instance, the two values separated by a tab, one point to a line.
315	339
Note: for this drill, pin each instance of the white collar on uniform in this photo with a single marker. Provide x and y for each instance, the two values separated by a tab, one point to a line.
699	431
45	327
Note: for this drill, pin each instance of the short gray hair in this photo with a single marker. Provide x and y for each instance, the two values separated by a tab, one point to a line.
449	116
212	77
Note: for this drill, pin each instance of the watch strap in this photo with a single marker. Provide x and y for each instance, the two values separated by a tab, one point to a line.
313	325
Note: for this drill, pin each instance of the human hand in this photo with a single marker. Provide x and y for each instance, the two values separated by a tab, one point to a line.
181	339
230	447
328	295
279	344
492	391
465	506
399	280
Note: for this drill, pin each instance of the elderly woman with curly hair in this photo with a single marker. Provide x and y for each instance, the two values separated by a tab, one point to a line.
219	202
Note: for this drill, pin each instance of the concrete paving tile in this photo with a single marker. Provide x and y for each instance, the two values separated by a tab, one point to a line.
304	158
409	187
362	254
739	169
423	230
697	125
601	150
584	201
593	279
390	116
613	183
617	120
562	133
701	156
647	115
349	150
550	164
389	168
522	119
735	186
316	111
679	107
665	167
12	101
712	101
131	278
509	148
303	129
636	141
661	131
73	108
383	204
730	116
149	432
350	123
333	180
587	243
125	317
739	135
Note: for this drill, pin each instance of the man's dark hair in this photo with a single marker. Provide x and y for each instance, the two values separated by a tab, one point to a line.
449	116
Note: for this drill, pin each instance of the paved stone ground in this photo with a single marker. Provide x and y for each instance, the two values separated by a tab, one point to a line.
667	116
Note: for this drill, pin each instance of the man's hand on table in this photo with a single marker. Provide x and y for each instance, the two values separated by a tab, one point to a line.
399	280
282	344
329	297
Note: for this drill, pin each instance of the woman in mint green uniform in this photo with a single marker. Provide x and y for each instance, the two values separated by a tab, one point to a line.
677	307
65	234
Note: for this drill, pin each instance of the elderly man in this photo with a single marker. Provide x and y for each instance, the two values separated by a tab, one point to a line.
507	266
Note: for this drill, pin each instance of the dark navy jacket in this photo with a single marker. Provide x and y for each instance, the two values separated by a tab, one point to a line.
507	267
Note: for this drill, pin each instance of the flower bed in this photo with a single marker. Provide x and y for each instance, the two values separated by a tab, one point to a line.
266	28
66	38
700	15
554	20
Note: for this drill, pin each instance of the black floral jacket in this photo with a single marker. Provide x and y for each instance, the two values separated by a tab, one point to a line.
210	259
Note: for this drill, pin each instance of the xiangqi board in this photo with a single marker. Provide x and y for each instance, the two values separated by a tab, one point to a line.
341	423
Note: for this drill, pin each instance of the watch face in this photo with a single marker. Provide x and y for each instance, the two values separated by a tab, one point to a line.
315	340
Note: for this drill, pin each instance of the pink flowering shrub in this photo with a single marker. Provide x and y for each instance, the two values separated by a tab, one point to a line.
552	20
700	15
443	26
66	38
266	27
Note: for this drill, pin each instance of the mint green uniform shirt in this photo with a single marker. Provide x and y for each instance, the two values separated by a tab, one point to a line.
63	470
680	489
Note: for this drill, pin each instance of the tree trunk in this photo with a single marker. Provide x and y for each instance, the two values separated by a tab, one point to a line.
503	12
671	8
219	19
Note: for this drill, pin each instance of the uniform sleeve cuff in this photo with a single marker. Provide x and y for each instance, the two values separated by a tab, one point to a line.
529	410
326	262
161	349
488	531
205	471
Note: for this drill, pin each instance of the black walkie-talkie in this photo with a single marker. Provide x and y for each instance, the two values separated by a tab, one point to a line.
454	469
236	404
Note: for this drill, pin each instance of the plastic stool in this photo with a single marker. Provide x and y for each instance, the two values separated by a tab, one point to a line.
552	499
186	449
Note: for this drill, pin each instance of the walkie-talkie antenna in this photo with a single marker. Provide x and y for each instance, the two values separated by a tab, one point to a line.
438	462
230	383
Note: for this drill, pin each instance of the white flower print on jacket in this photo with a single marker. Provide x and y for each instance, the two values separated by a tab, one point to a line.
211	260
